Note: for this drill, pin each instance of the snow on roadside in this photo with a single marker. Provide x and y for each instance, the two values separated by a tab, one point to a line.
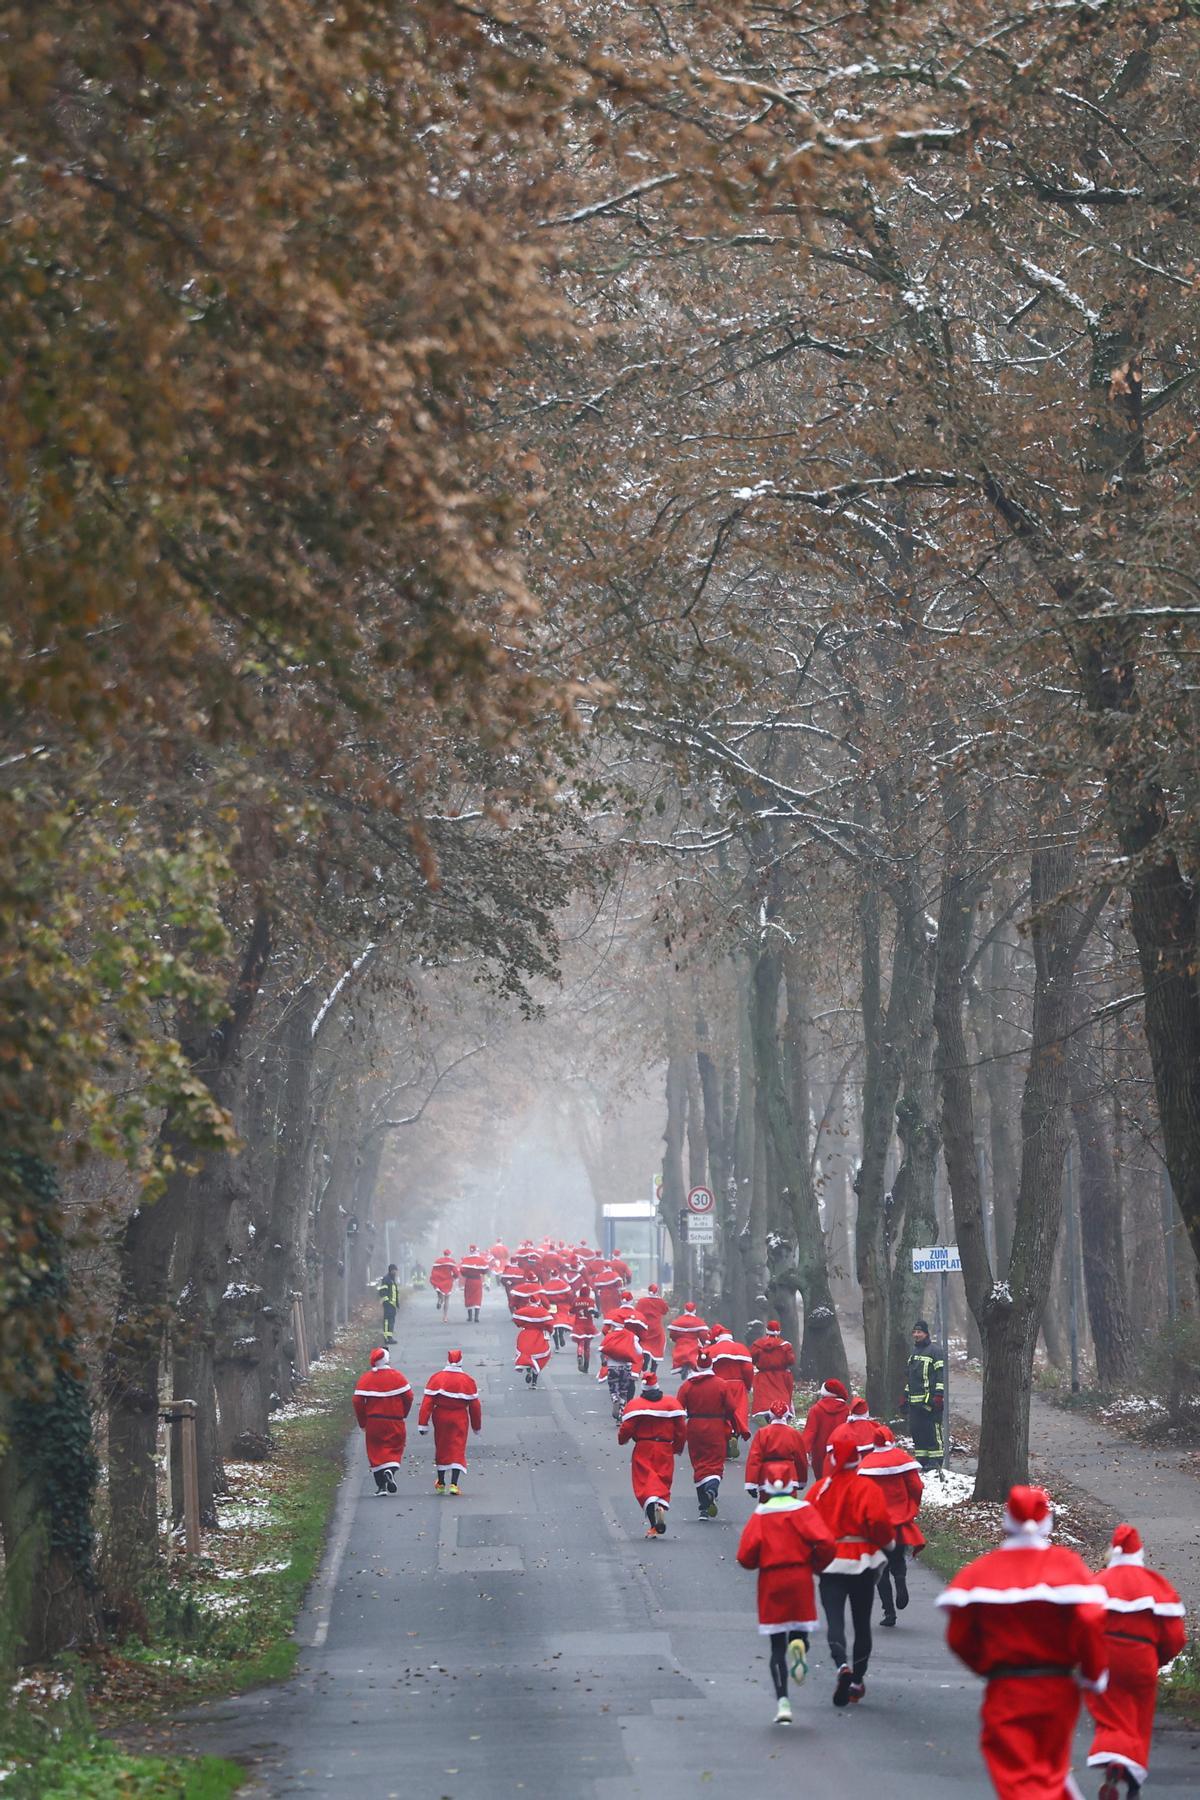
946	1488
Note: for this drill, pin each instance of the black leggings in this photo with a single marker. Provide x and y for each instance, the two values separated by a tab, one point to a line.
860	1591
779	1649
893	1570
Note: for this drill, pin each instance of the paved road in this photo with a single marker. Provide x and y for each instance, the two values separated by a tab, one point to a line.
525	1639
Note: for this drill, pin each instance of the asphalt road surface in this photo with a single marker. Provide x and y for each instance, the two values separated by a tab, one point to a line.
526	1639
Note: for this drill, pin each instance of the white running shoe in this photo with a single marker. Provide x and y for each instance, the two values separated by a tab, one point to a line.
783	1712
797	1661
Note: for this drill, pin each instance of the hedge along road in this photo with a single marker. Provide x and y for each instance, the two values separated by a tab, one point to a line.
526	1639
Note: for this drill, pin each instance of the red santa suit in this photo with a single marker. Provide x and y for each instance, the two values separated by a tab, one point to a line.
1029	1618
1143	1629
498	1256
622	1268
443	1274
657	1429
735	1365
897	1475
534	1322
473	1267
607	1286
826	1413
786	1540
382	1399
654	1310
687	1333
864	1428
557	1294
583	1327
774	1363
451	1404
620	1345
777	1453
711	1416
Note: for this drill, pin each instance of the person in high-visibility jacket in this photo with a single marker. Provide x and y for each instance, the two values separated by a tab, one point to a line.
924	1397
389	1293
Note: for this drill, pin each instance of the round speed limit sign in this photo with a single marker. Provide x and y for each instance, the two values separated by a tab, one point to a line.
700	1200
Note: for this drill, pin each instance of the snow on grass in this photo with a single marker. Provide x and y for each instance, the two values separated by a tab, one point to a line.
947	1487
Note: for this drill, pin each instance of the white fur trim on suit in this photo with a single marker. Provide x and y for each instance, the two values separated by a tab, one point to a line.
382	1393
1103	1757
1078	1595
790	1625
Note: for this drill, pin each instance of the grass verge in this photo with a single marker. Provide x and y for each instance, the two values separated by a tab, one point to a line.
217	1623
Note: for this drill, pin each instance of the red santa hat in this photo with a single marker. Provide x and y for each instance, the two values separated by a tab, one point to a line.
378	1358
653	1288
446	1252
626	1293
845	1450
719	1330
833	1389
472	1246
454	1356
778	1484
690	1306
649	1379
773	1328
1127	1546
883	1434
858	1408
1029	1514
780	1411
703	1360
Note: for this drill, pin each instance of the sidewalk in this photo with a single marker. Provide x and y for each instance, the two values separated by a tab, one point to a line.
1151	1487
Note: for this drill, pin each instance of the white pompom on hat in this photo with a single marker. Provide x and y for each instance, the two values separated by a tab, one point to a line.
1029	1514
1127	1546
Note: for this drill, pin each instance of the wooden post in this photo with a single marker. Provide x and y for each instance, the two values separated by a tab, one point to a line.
183	1414
300	1337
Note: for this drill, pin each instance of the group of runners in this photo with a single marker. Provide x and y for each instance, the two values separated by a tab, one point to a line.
836	1501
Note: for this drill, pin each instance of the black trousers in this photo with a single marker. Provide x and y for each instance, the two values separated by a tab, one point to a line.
779	1667
859	1590
894	1569
926	1428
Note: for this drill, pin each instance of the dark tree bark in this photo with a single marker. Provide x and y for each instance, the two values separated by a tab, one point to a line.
674	1193
1100	1214
133	1359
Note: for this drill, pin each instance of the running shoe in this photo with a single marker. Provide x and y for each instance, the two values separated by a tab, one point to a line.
710	1511
845	1681
660	1520
439	1487
797	1661
889	1618
783	1712
857	1691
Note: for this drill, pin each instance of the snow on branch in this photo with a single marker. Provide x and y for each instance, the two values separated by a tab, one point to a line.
339	984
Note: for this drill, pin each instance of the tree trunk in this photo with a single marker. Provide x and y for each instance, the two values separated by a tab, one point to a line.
674	1193
881	1089
799	1262
1100	1215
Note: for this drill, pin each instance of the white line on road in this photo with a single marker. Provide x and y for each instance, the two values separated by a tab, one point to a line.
331	1568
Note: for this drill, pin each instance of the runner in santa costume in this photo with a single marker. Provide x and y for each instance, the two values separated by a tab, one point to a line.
382	1398
556	1292
855	1513
656	1425
897	1474
606	1285
829	1410
473	1267
622	1365
687	1333
786	1540
735	1365
774	1366
534	1322
1029	1618
863	1424
498	1256
623	1269
711	1417
451	1404
443	1274
777	1453
583	1328
1143	1629
654	1310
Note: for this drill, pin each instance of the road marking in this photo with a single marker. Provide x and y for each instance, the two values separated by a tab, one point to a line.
331	1568
479	1559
